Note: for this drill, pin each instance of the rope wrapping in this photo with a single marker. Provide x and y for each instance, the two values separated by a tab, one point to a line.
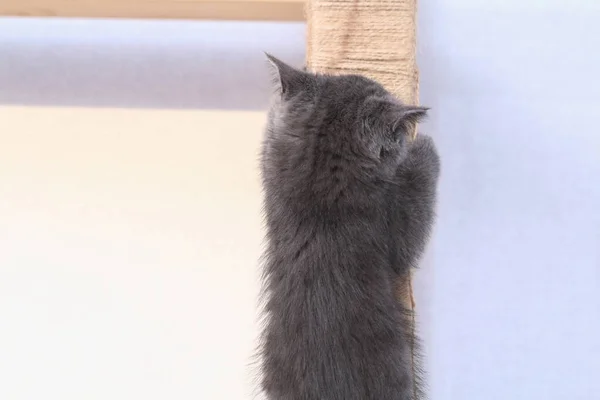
375	38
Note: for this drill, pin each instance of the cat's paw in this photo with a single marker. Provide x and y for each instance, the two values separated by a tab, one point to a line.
423	155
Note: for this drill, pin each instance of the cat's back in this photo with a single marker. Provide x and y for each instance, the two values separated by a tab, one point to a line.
334	321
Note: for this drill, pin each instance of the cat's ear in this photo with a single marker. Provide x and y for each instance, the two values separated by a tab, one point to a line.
409	117
287	79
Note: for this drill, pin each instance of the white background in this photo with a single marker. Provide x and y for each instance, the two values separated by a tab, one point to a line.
509	297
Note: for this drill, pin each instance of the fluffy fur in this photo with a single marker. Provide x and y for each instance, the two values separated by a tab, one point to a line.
348	205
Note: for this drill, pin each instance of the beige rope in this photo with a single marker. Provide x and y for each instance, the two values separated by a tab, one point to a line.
375	38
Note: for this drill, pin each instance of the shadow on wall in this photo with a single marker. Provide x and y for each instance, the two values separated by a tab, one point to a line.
142	64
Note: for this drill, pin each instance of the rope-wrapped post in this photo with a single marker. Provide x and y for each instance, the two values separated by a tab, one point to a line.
375	38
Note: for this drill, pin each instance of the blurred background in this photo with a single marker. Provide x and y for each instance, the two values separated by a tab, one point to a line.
130	226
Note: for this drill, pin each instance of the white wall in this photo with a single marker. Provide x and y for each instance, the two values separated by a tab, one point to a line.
128	250
515	295
130	236
509	305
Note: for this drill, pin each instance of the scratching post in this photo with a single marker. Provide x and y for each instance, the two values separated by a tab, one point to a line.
375	38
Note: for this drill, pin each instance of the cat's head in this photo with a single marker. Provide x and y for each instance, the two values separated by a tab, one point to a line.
347	123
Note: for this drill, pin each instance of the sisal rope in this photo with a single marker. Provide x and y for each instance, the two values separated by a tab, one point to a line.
375	38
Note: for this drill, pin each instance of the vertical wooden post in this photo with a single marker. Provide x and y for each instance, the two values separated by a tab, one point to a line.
375	38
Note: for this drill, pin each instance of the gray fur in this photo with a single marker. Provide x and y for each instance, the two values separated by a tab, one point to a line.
349	203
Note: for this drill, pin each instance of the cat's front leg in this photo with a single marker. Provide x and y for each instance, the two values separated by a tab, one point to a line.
412	203
423	162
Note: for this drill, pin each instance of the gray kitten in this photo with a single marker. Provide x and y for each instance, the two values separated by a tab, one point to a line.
349	205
